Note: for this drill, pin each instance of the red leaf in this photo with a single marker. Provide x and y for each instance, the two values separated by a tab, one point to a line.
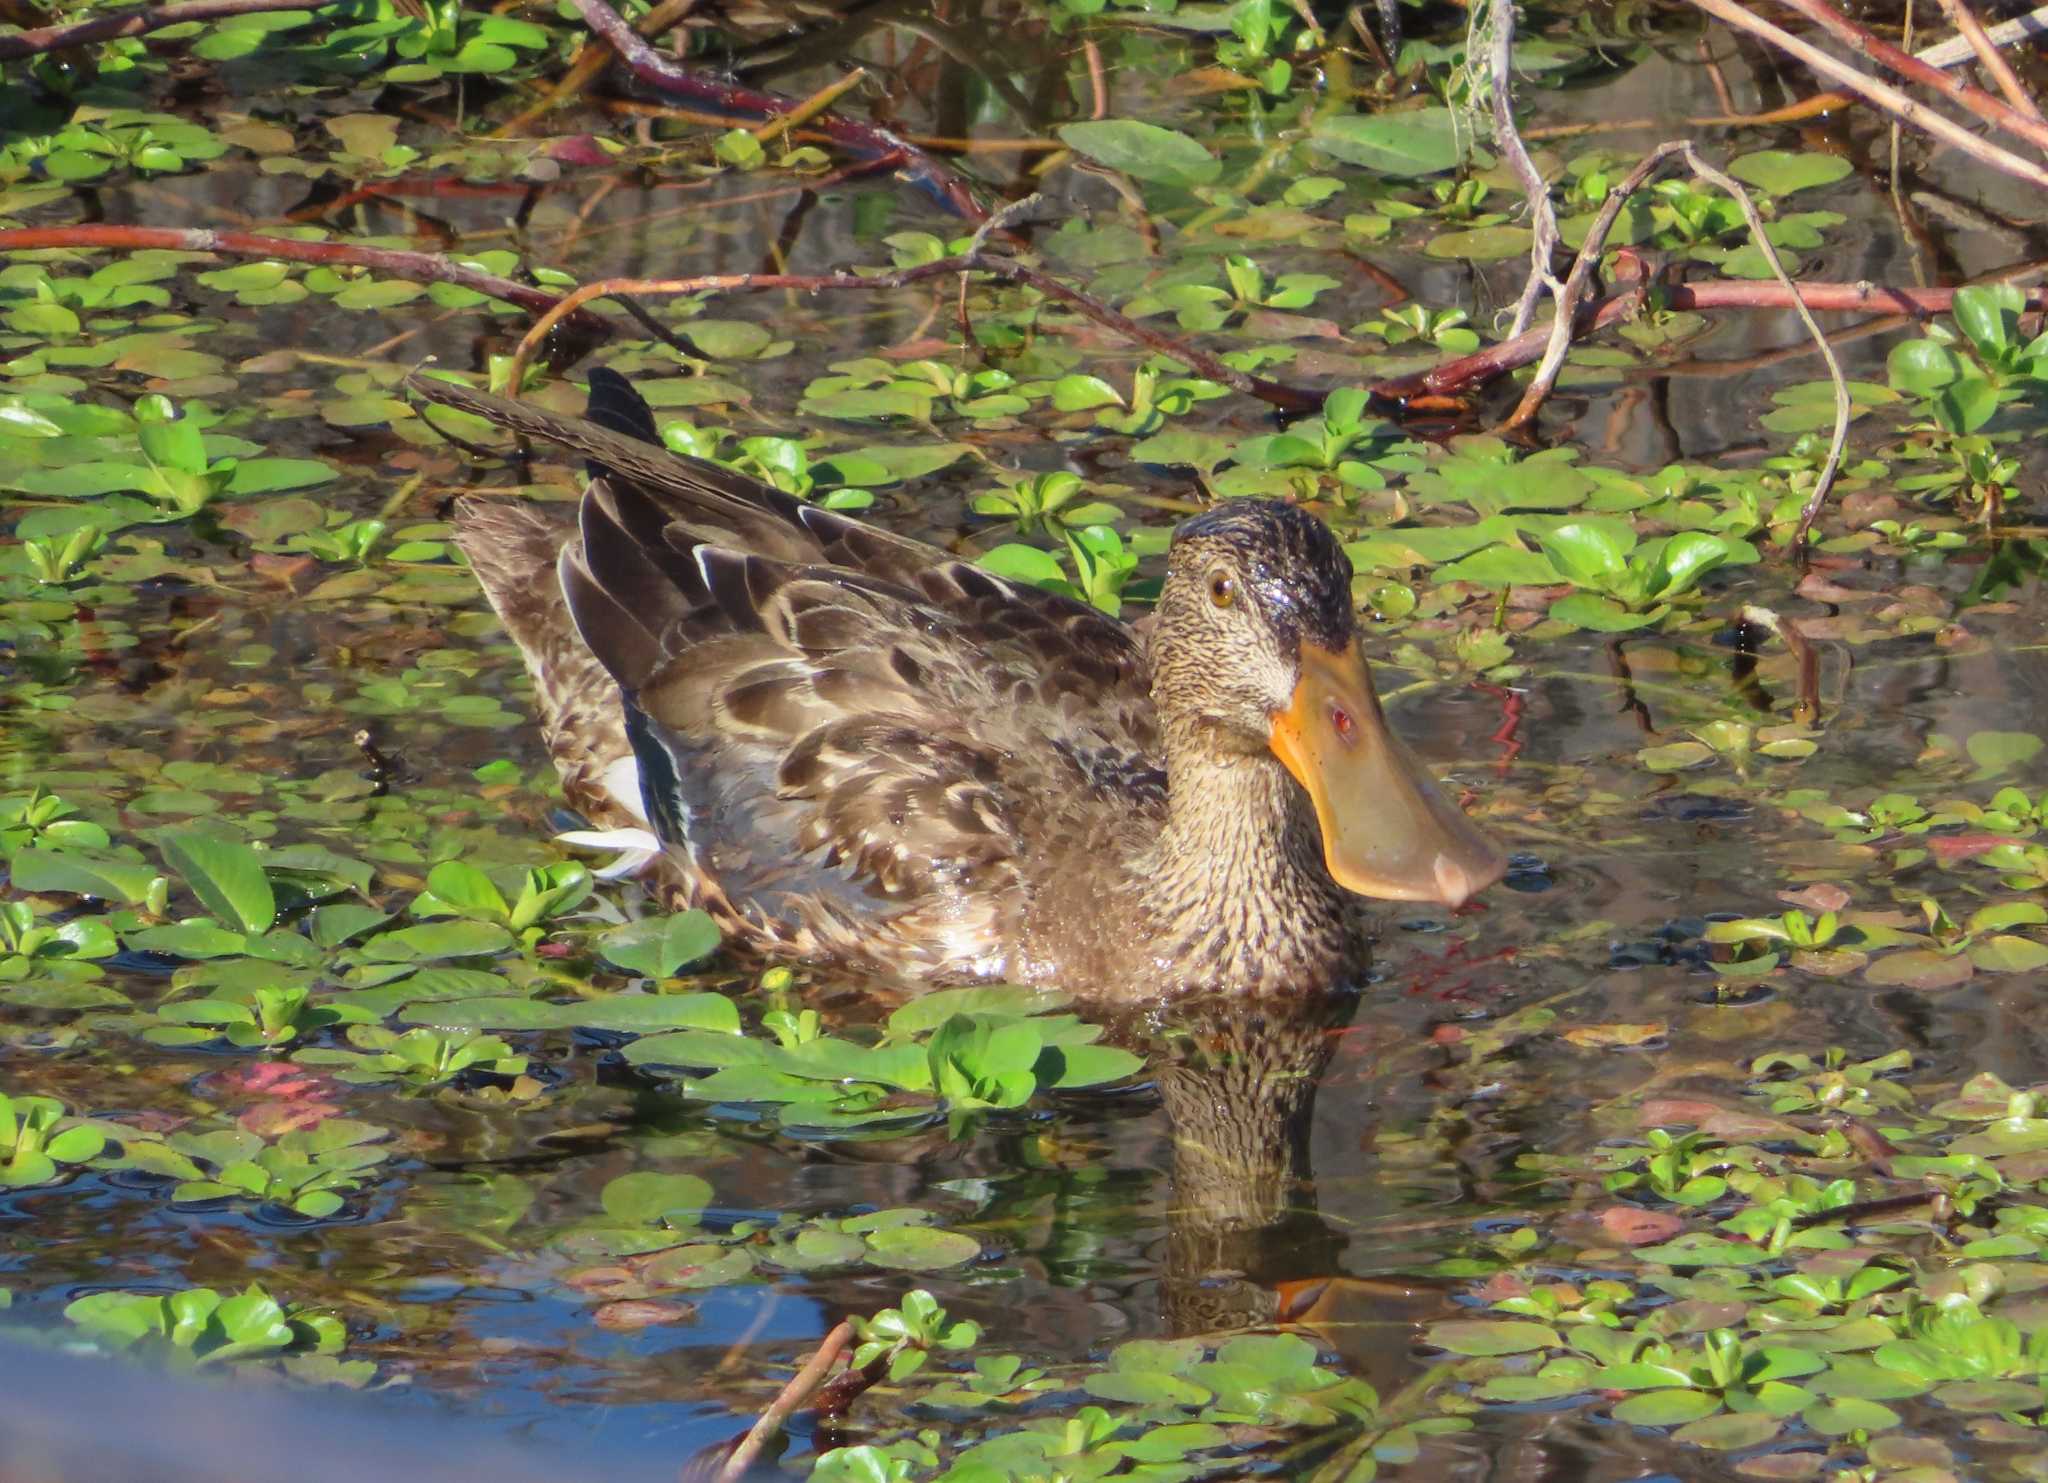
1632	1225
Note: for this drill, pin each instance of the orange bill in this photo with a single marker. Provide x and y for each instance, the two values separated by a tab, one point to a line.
1388	831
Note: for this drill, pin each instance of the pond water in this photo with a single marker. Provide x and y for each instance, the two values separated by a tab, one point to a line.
1555	1184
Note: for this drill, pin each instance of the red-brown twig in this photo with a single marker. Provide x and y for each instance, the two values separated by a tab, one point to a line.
868	141
1201	362
786	1405
1882	94
1994	111
137	22
1990	58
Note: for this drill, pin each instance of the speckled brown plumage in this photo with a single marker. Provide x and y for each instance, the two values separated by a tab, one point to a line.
861	750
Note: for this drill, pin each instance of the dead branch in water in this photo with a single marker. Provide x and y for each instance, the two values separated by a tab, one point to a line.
731	99
1994	111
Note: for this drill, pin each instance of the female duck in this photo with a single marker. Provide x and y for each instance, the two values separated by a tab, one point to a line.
859	750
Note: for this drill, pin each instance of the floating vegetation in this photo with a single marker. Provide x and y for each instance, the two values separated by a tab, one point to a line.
1712	1140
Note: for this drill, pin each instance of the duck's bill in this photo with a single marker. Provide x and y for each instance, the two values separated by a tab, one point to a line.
1388	830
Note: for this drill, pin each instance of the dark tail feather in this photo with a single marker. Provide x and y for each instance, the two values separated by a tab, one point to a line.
617	407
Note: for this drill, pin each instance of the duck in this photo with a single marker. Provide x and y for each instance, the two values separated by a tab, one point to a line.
860	751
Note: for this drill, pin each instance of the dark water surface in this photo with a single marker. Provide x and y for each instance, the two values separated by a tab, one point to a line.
1218	1194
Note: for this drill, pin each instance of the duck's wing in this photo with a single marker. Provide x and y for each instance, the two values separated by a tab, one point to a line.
719	505
513	547
837	748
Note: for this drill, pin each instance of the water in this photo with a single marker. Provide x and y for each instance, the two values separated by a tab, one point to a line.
1309	1164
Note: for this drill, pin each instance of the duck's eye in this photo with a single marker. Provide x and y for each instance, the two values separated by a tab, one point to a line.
1222	589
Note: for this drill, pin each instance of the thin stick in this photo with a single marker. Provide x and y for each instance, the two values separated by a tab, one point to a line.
137	22
1098	84
1500	15
1992	110
812	106
1990	58
1883	94
1289	398
1825	481
785	1405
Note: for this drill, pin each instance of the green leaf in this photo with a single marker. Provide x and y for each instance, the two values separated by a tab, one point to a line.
2006	953
267	475
647	1195
1483	1336
1480	244
1983	311
1590	553
1838	1417
1922	367
1965	405
435	940
912	1248
1144	151
1666	1407
1729	1433
168	440
1601	614
1997	752
1501	566
82	873
637	1014
659	946
468	890
1683	560
1023	563
226	875
1416	141
1781	173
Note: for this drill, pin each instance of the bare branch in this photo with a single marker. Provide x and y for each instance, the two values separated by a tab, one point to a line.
1499	17
1993	111
1882	94
1990	58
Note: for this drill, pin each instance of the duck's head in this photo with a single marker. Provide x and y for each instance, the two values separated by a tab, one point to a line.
1255	645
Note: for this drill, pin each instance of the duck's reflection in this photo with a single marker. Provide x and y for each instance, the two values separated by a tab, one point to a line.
1238	1078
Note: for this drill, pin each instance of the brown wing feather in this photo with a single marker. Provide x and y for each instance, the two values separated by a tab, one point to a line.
860	745
722	507
855	762
513	547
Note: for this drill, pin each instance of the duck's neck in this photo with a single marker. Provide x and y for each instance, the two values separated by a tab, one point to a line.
1236	884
